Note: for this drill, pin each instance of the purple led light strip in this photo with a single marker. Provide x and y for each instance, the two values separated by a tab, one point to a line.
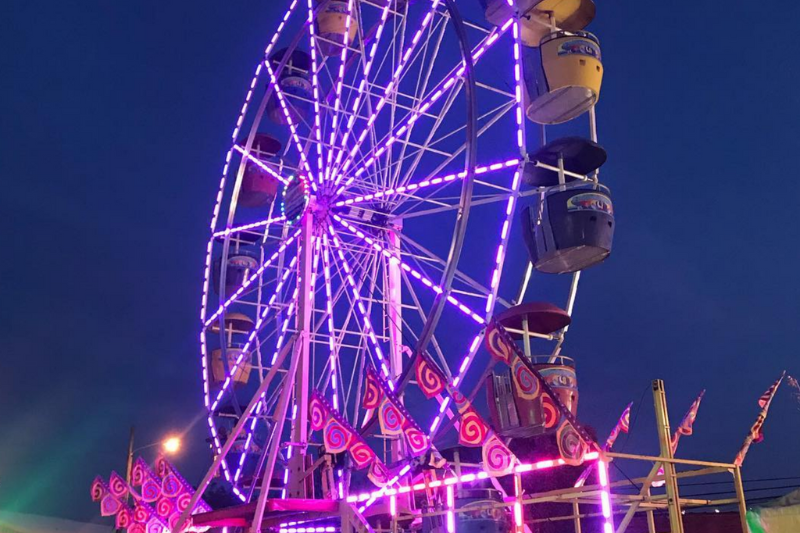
338	89
416	274
395	78
326	268
403	125
246	227
360	90
263	166
217	205
253	277
427	183
288	116
254	332
315	85
365	321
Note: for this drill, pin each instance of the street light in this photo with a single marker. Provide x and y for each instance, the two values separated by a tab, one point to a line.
171	445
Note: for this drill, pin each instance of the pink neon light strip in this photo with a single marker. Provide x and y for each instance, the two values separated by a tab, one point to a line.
427	183
253	333
386	92
290	123
289	451
451	515
360	91
605	497
395	258
309	529
246	227
463	478
403	126
338	89
315	85
263	166
365	321
252	278
333	353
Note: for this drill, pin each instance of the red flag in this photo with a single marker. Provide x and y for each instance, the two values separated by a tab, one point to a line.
623	425
685	427
766	398
756	433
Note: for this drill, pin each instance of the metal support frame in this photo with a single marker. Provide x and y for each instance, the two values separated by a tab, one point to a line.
664	441
296	485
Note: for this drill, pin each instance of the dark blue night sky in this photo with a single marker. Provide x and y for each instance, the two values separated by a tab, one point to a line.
114	119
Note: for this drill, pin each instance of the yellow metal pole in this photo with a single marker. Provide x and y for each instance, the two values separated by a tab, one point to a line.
664	436
737	482
651	519
576	516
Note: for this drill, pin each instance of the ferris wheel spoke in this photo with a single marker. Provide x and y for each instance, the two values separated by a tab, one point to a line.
483	290
338	89
366	261
263	166
490	118
359	303
431	183
252	225
290	122
339	172
315	85
235	296
495	114
414	272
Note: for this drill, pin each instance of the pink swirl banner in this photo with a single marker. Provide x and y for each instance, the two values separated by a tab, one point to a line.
378	474
138	472
155	526
473	430
335	436
123	519
497	458
526	383
550	414
390	418
317	412
165	507
183	501
137	528
417	441
570	445
141	513
171	486
362	454
430	381
118	486
109	505
151	490
497	345
99	489
372	391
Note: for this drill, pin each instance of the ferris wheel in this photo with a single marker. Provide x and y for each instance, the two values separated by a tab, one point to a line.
389	192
